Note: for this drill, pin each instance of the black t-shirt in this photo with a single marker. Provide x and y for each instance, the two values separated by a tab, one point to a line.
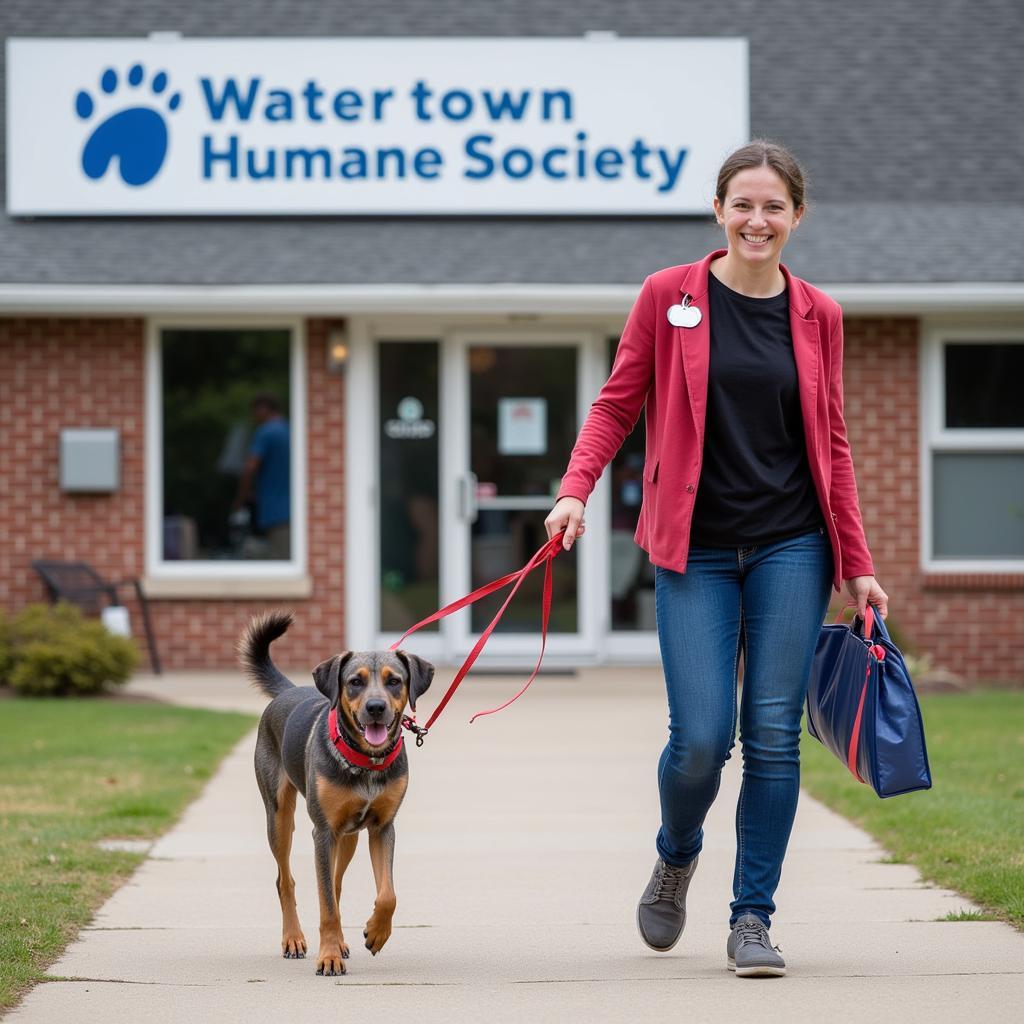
755	484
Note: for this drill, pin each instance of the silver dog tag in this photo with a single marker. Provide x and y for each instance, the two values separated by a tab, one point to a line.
684	316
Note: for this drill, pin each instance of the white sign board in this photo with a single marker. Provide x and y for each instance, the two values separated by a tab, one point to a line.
522	426
371	126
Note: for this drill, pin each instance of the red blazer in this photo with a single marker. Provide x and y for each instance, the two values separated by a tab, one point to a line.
666	367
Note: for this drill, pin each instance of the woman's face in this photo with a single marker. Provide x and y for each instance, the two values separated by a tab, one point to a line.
757	215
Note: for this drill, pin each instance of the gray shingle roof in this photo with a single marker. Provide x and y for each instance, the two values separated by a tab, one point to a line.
906	113
858	242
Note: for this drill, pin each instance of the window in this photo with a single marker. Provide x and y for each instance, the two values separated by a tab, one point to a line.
973	494
226	441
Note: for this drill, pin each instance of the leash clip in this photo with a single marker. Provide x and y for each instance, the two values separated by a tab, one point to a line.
418	730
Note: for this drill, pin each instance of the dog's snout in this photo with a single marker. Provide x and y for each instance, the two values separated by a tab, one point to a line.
376	708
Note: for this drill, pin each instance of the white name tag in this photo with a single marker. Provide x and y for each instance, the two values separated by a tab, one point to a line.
684	316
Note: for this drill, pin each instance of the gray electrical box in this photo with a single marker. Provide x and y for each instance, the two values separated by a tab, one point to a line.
90	460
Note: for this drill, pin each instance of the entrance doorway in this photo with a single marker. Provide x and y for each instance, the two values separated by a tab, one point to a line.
515	404
473	430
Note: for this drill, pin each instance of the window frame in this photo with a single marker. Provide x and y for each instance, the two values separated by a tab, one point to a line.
937	438
242	575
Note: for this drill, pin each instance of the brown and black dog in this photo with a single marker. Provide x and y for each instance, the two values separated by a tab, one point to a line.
366	693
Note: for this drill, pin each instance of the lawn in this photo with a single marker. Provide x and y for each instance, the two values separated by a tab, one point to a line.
73	772
967	832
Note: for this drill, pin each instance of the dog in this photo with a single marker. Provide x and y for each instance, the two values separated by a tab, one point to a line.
340	746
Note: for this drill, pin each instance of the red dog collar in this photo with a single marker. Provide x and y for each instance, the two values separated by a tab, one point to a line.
353	756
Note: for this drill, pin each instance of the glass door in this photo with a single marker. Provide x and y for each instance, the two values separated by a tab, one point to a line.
518	411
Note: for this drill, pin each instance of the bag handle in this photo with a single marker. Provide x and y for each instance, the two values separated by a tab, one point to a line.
869	618
872	622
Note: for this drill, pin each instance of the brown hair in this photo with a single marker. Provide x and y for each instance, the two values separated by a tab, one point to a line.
762	153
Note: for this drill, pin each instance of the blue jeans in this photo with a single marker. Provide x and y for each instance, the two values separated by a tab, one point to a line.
770	601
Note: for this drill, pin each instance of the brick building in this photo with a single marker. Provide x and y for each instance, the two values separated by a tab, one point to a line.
434	363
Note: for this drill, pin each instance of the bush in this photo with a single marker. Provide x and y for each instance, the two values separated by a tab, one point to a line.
54	651
6	661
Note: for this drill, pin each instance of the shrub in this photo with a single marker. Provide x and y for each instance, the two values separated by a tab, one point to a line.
6	655
54	651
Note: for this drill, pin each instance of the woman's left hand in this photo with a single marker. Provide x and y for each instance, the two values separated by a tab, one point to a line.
865	590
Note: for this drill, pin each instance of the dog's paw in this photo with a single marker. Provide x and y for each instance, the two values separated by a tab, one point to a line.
293	945
329	962
376	933
344	951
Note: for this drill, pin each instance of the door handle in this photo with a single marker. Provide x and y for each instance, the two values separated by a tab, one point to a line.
467	498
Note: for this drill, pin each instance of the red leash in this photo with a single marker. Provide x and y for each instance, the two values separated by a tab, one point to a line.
545	554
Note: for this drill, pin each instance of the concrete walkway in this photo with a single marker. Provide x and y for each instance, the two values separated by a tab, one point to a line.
523	845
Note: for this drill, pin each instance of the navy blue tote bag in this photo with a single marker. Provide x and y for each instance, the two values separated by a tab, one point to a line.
861	705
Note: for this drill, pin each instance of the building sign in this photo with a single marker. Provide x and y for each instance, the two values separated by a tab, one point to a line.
410	424
371	126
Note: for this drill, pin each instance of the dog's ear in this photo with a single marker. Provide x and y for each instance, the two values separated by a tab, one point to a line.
420	674
326	675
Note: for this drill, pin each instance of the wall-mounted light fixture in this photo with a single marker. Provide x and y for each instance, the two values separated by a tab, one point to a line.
337	347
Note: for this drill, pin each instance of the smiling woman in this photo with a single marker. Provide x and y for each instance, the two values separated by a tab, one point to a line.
759	206
747	521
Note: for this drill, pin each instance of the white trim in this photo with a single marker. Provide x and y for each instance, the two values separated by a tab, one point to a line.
362	529
593	372
199	571
577	299
362	488
232	589
937	438
615	646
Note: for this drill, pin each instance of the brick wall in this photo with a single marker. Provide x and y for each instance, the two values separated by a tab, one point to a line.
90	372
64	373
970	624
58	373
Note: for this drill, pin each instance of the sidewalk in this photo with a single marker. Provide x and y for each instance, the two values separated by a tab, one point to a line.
522	847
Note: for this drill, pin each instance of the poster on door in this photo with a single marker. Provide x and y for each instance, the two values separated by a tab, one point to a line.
522	426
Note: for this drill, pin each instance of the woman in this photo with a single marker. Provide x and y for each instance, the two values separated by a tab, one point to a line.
750	515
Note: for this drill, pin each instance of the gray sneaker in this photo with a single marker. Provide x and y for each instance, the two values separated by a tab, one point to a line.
661	912
750	951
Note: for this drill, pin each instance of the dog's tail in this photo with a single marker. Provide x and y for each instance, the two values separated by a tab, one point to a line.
254	652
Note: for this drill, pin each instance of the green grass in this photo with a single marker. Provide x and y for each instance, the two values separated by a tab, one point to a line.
73	772
967	832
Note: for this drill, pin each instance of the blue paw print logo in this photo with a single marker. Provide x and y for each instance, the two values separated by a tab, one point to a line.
136	134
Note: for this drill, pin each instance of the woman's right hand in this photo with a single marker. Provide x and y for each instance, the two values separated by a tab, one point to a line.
566	515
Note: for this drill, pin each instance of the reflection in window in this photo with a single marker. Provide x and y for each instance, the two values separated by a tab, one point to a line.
978	503
226	444
542	377
983	385
504	539
977	492
632	575
409	591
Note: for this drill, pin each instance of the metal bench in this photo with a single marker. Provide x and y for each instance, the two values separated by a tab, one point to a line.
80	584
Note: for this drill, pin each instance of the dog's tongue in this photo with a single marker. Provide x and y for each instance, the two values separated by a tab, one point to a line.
375	734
